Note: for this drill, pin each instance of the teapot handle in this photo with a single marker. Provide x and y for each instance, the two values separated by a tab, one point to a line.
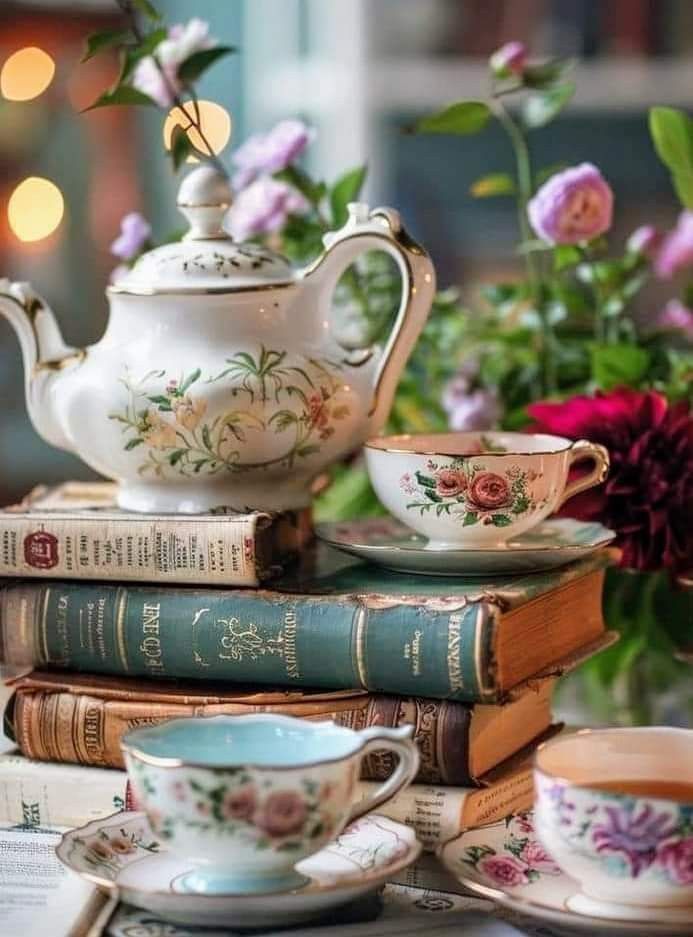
381	230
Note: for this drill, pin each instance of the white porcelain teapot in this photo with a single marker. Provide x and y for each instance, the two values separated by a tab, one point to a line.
220	379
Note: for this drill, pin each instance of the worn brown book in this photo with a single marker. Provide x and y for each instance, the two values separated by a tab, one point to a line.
80	718
76	531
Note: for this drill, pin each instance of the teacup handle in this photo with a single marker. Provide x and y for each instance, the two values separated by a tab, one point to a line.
400	742
579	451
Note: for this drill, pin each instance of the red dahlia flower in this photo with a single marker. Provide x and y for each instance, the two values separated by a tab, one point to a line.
648	497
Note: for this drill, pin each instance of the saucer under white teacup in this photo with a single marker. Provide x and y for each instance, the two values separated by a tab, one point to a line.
122	853
389	543
478	491
506	863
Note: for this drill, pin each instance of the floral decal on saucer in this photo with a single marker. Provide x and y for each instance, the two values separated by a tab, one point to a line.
468	491
627	836
521	861
109	848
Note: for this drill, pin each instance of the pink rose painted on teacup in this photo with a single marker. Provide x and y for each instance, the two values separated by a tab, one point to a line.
450	482
240	803
489	491
505	870
538	859
281	814
676	857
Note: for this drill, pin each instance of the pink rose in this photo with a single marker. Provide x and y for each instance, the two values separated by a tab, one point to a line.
676	252
489	490
538	859
240	803
572	206
645	240
263	207
675	317
282	813
450	482
505	870
676	856
509	60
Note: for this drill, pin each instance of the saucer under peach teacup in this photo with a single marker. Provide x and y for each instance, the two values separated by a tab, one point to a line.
476	490
614	808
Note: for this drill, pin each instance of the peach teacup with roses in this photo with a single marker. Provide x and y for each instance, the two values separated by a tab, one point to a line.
478	490
244	798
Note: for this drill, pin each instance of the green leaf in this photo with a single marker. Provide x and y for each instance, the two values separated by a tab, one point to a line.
190	379
123	94
313	191
133	442
618	364
176	456
425	480
98	42
346	189
545	74
501	520
471	517
672	135
565	255
541	108
191	68
496	183
432	496
144	6
181	146
462	118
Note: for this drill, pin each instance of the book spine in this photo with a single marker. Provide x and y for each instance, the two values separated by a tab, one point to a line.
220	550
40	795
252	637
83	729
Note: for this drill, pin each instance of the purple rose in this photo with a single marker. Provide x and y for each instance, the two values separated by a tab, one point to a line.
676	252
270	152
676	856
135	231
264	206
675	317
467	409
182	41
509	60
572	206
645	240
636	833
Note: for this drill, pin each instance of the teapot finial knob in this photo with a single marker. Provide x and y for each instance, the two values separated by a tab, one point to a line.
204	197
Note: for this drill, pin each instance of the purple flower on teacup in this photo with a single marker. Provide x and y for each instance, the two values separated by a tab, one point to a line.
282	813
676	857
505	870
636	833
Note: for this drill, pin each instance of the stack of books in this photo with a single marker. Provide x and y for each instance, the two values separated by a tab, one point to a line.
114	620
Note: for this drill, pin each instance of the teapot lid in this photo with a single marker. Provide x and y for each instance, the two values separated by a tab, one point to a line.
207	260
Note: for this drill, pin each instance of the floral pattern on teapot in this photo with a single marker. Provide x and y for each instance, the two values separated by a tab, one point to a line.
169	416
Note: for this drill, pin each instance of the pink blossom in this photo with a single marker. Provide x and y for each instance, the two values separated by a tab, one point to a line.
263	207
572	206
479	409
270	152
676	252
406	483
675	317
505	870
160	81
676	855
509	60
282	814
645	240
538	859
135	231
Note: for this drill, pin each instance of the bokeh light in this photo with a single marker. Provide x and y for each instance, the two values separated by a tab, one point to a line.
215	121
35	209
26	74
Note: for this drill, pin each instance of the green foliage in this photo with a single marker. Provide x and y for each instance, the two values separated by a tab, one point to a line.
198	63
122	95
99	42
541	108
181	146
672	134
495	183
147	8
346	189
614	365
462	118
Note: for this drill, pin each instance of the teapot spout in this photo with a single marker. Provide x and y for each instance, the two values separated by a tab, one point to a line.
44	355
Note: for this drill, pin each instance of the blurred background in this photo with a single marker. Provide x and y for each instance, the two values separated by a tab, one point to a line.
358	70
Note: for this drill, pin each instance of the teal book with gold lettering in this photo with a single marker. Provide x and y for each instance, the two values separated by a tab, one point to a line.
338	624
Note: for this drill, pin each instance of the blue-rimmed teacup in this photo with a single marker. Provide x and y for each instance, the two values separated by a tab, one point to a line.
614	808
244	798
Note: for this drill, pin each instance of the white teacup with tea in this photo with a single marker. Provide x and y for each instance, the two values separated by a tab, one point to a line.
478	490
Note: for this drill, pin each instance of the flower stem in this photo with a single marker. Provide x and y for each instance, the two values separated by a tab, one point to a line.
524	194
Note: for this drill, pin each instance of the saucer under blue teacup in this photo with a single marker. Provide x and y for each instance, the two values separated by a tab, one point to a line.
244	798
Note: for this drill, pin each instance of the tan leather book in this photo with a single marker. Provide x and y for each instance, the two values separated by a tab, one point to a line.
80	718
